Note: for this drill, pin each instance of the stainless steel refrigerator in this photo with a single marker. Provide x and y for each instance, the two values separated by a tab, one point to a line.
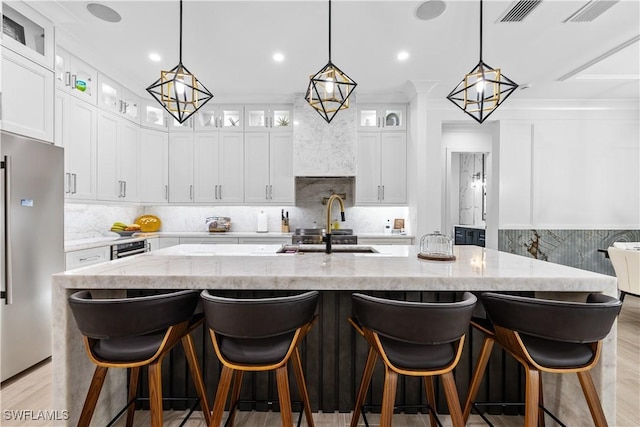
31	248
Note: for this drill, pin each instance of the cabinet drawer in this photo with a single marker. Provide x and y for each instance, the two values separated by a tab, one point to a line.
209	240
264	240
385	241
86	257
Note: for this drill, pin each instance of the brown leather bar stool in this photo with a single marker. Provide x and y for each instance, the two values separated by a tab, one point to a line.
548	336
136	332
259	335
415	339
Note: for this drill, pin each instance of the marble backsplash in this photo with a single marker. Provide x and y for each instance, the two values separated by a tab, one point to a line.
471	188
83	221
575	248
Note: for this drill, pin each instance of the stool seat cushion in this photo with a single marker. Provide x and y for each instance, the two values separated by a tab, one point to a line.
557	354
255	351
408	355
128	349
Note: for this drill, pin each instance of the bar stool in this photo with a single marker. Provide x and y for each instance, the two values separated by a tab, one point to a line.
415	339
136	332
548	336
259	335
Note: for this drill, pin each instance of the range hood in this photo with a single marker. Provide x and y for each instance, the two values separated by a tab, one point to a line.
321	149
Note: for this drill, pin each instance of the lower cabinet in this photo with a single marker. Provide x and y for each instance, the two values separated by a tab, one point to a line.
469	236
400	240
156	243
209	240
86	257
264	240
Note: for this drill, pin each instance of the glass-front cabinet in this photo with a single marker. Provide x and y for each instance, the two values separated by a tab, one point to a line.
152	115
118	99
75	76
387	117
269	117
28	33
220	117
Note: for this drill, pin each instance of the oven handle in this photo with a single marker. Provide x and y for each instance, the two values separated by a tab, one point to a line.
129	253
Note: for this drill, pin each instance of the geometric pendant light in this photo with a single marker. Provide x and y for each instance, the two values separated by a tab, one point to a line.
483	89
179	91
329	89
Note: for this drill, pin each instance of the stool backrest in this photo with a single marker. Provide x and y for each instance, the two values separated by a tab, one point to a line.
626	263
554	320
120	317
258	317
415	322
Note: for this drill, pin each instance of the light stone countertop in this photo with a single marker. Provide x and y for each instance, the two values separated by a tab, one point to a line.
394	268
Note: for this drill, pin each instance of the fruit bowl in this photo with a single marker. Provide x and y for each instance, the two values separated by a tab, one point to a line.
125	233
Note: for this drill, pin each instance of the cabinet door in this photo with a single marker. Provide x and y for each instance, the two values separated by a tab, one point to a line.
152	115
181	168
256	117
368	118
281	168
393	169
130	105
281	118
153	180
37	38
206	118
231	118
186	126
256	167
128	154
109	94
109	185
27	97
393	117
79	138
75	76
368	188
205	161
231	168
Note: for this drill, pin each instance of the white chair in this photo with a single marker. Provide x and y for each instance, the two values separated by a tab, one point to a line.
626	263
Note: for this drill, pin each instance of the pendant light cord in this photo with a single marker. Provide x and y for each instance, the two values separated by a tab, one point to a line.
329	31
181	31
480	30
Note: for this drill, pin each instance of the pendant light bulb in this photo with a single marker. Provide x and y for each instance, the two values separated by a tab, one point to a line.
329	85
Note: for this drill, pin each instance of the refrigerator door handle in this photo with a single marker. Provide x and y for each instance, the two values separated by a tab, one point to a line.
8	276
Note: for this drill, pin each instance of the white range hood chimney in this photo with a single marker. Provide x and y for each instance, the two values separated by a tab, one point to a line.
322	149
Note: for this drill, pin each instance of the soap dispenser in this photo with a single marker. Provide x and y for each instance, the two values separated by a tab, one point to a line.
387	227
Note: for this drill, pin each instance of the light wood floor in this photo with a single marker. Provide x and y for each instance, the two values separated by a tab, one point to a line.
33	392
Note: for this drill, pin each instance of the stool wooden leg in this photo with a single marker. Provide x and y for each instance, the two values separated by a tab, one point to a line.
431	399
453	402
593	401
302	386
372	357
388	397
540	403
478	374
155	392
282	378
221	396
92	396
196	374
531	396
235	395
133	388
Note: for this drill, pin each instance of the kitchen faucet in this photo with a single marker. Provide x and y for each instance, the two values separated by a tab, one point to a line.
328	229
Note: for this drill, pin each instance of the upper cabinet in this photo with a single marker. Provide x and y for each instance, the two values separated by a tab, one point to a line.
27	33
75	76
268	117
118	99
383	117
152	115
220	117
382	169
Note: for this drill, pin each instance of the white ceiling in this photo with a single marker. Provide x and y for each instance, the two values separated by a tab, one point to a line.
229	45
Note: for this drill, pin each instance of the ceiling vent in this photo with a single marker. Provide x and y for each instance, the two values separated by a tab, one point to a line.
519	10
591	10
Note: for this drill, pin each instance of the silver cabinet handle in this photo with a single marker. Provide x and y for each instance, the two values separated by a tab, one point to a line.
191	192
75	183
266	192
74	81
382	192
124	188
8	273
220	191
90	258
270	192
215	191
67	78
378	192
67	184
166	192
119	188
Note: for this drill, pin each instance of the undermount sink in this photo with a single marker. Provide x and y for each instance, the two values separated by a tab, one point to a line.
348	249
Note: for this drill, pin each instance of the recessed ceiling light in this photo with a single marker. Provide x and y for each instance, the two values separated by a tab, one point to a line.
430	9
103	12
154	57
278	57
403	55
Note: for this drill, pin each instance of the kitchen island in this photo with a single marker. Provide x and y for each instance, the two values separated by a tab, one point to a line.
256	269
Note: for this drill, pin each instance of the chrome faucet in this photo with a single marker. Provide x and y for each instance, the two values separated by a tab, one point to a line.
328	229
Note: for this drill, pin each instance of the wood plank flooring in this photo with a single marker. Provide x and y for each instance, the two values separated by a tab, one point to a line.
32	393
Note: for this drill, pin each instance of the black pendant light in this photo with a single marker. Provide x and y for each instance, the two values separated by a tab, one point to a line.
483	89
329	88
178	90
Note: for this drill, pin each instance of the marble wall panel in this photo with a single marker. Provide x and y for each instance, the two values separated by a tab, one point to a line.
82	221
471	189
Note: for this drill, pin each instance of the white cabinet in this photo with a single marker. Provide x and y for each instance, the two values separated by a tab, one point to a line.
275	118
87	257
75	76
153	178
156	243
206	168
382	168
28	33
118	99
76	124
186	126
228	118
152	115
269	168
388	117
209	240
117	158
27	97
399	240
266	240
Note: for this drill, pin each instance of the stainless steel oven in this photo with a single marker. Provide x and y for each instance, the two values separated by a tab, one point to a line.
123	250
